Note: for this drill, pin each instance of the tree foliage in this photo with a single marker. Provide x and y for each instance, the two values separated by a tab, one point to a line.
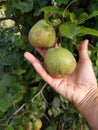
24	96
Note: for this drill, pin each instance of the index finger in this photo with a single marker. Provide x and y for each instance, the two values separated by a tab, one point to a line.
38	67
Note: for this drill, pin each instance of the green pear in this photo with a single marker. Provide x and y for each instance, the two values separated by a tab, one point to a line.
42	35
59	62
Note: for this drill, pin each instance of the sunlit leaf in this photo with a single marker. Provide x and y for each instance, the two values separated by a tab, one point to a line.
69	30
93	14
84	16
84	31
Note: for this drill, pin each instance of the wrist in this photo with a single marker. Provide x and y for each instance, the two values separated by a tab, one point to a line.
89	108
89	97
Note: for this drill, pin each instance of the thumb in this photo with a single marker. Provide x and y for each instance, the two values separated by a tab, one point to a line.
83	51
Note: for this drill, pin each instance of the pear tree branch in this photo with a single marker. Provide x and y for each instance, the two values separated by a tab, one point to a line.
23	105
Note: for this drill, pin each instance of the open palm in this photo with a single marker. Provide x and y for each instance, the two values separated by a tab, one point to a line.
73	87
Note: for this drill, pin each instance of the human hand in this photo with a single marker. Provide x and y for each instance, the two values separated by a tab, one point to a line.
73	87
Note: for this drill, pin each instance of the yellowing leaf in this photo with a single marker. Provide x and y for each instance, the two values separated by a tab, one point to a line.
19	71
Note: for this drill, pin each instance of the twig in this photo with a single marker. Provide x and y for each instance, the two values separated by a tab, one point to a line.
44	98
39	92
22	106
18	110
49	120
70	4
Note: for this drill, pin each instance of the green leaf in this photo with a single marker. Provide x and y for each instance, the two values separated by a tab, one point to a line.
11	91
93	14
9	127
86	31
19	41
66	14
56	102
97	63
93	5
69	30
60	2
51	128
18	71
38	107
9	11
69	16
51	9
24	6
84	16
5	102
5	80
37	78
73	18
